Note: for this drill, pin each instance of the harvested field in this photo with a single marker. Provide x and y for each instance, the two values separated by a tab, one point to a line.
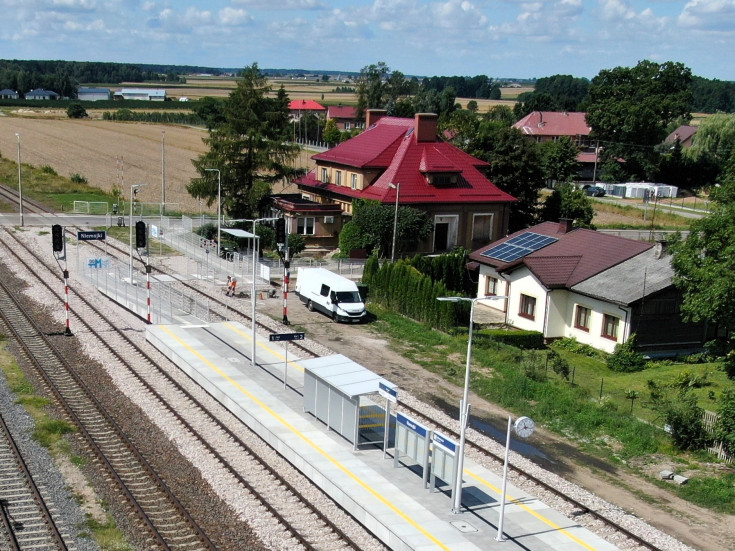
106	152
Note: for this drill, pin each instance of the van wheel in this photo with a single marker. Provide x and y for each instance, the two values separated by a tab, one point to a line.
310	306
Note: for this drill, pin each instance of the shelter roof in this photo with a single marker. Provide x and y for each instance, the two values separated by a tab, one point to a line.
345	375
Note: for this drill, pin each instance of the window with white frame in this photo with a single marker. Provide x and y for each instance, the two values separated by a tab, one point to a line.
491	286
610	327
354	181
528	307
582	318
338	178
325	176
305	225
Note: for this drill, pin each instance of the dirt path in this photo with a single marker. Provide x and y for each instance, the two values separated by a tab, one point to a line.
697	527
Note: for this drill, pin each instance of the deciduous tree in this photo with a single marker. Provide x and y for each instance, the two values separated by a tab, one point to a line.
704	262
629	110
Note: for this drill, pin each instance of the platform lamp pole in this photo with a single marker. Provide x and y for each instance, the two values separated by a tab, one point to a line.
464	406
256	247
20	185
219	204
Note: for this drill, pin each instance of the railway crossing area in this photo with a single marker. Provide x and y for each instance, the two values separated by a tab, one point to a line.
392	499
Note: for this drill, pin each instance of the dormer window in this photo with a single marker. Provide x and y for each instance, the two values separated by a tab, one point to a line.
443	179
325	176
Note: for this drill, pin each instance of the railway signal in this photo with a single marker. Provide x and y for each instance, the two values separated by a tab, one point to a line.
281	231
140	234
57	238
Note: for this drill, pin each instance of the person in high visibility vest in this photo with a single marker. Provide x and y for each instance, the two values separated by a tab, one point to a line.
232	285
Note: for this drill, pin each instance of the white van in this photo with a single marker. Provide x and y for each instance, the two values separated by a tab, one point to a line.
330	293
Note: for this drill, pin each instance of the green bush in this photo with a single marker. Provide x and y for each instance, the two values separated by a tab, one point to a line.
571	345
626	359
531	340
78	178
46	169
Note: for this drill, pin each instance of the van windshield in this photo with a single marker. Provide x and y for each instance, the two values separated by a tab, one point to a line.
348	296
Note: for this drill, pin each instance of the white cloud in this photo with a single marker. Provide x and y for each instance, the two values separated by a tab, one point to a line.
283	4
708	15
233	17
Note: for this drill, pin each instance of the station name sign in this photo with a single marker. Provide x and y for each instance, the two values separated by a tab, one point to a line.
286	337
91	235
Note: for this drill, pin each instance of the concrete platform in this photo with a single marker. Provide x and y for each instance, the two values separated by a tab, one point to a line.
392	502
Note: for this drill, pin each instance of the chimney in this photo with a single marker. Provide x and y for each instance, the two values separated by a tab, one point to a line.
426	127
565	225
661	249
374	115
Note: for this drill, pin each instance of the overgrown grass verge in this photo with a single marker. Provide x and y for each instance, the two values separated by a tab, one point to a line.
50	433
519	381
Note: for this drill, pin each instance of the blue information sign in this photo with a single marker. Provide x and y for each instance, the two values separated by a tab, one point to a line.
387	392
413	425
444	442
286	337
91	235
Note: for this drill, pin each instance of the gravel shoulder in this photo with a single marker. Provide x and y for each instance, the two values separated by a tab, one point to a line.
697	527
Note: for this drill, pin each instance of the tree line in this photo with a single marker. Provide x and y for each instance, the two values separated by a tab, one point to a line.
64	77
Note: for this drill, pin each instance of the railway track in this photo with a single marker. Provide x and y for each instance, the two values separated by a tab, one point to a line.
158	511
26	523
284	499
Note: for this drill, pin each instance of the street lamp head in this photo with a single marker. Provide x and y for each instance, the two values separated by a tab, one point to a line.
470	299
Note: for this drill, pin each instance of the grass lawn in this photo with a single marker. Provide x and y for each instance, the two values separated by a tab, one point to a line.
606	427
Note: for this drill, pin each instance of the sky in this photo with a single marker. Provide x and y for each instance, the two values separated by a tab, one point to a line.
500	39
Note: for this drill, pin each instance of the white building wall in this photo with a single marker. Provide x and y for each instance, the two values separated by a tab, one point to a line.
555	313
599	308
522	282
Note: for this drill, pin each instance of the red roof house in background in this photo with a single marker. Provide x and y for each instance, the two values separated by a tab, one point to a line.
550	126
403	160
344	115
301	107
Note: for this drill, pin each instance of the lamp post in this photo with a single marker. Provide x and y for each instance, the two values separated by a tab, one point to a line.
163	174
20	185
133	189
464	406
252	293
397	187
219	203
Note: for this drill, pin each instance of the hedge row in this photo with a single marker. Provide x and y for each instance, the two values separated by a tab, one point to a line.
155	116
401	288
529	340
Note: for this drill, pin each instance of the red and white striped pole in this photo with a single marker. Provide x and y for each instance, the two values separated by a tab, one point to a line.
67	332
148	289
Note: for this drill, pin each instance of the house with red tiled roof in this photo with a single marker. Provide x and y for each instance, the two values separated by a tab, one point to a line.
300	107
403	161
550	126
594	287
345	116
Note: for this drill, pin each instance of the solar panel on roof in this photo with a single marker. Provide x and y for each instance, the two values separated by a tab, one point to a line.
519	246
